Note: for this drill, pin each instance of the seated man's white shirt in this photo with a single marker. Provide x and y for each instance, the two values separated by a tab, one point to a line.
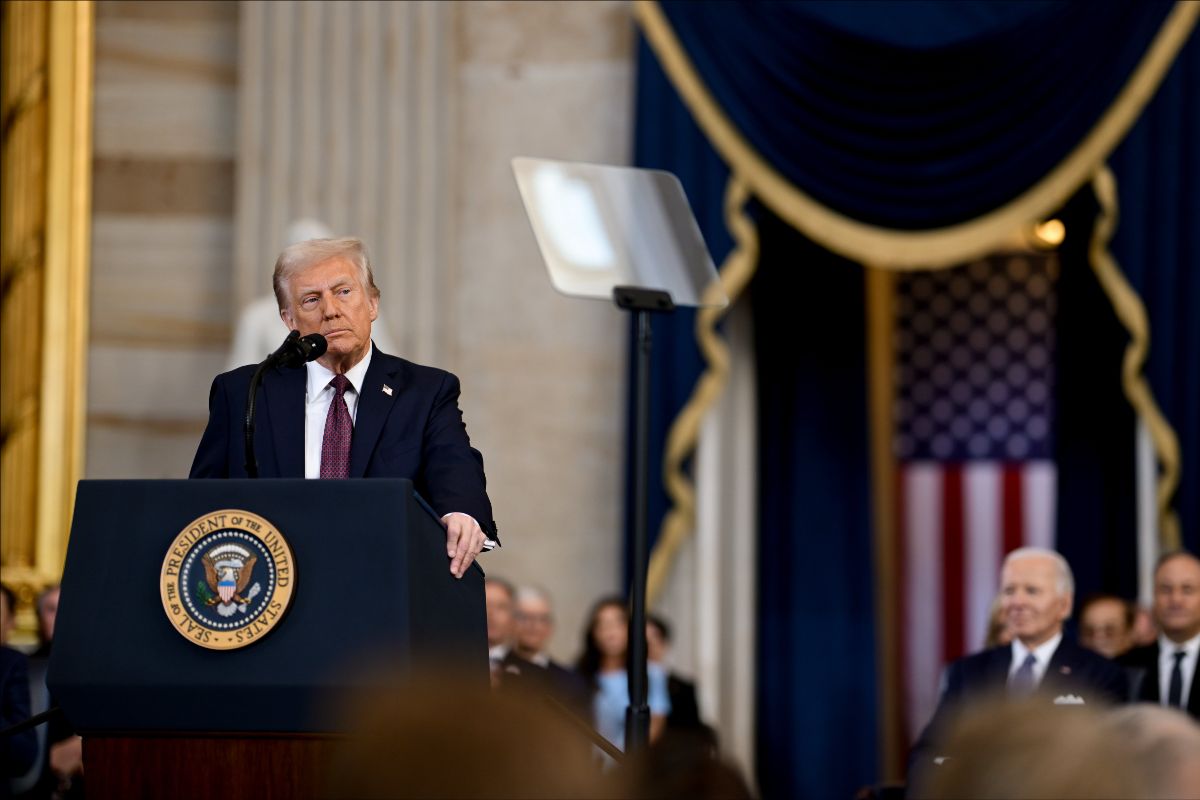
1166	665
1043	653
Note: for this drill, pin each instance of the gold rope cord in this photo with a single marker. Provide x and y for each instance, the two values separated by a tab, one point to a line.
735	274
1132	313
888	248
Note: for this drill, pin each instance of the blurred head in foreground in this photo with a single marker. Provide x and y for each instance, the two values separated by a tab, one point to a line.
427	737
999	749
1165	744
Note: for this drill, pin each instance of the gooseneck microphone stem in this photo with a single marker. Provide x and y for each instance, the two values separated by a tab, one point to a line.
295	351
248	425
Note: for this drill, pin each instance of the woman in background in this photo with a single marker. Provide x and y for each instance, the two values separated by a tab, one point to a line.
603	666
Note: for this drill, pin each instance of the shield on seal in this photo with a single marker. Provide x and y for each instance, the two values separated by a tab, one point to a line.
225	589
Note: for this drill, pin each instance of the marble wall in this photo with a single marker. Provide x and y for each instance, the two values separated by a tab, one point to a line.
543	375
166	87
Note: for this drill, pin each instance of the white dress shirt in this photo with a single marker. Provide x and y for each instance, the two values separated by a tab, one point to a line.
1166	664
1042	653
318	396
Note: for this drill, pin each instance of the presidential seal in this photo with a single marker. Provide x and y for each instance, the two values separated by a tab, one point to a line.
227	579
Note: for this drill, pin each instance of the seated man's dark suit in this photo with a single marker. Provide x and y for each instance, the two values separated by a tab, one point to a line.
407	425
564	685
1072	670
1142	664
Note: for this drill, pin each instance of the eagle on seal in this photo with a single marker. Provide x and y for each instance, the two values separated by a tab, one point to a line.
228	576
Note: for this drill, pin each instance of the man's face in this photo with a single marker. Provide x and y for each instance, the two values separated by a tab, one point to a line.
499	614
1102	628
1034	609
328	298
1177	598
535	624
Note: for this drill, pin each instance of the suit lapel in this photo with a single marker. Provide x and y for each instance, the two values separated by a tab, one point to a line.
1062	665
374	404
1193	703
284	391
998	666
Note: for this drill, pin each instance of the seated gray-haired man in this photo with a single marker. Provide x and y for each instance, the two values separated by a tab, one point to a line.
1037	591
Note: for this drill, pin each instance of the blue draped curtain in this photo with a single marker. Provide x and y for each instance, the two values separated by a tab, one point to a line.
912	116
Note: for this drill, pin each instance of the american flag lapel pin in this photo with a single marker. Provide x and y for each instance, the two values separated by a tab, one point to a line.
1065	670
387	390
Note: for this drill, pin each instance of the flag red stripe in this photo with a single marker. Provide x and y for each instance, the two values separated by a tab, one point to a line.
953	628
1013	513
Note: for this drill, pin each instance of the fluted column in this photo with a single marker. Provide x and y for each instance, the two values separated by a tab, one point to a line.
344	116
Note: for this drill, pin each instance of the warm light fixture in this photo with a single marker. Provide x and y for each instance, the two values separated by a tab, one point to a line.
1049	234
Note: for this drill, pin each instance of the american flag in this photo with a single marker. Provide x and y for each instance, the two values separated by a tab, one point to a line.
973	442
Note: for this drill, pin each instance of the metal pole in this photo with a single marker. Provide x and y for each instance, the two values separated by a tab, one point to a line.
637	715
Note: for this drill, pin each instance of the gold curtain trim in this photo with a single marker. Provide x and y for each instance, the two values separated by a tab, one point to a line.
734	275
889	248
881	390
1132	313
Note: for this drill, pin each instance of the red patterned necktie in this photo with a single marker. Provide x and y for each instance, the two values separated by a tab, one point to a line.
335	445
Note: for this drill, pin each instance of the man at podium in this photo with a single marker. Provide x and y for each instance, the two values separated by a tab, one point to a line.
355	412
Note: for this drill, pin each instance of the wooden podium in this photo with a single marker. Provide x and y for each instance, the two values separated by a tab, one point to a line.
164	716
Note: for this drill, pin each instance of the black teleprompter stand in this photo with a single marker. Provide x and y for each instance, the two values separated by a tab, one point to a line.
642	302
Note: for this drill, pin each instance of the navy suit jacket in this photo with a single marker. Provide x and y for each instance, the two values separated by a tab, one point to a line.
415	431
1143	662
1072	670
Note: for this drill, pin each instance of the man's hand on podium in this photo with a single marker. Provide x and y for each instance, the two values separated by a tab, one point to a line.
464	541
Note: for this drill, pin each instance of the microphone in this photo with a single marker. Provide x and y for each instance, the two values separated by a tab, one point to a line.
296	350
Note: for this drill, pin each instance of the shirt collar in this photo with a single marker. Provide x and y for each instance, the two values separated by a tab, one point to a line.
1043	652
1166	647
319	376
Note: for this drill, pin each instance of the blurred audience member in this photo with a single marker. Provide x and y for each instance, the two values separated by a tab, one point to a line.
47	613
427	737
18	751
999	748
1144	630
1167	672
8	607
1165	746
685	711
602	666
1037	588
998	633
498	596
1106	625
534	624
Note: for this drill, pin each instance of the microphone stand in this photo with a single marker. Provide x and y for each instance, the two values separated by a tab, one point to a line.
248	423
